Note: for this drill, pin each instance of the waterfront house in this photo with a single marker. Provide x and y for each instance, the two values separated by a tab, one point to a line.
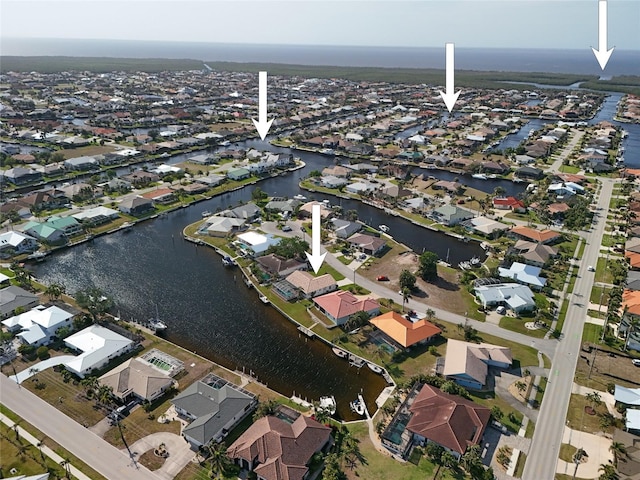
96	216
344	228
45	199
367	243
311	286
214	407
136	206
277	266
529	172
468	364
15	243
340	305
81	163
20	175
39	325
45	232
249	212
485	226
518	298
98	345
216	226
360	188
277	450
160	195
545	236
238	174
211	180
282	205
255	244
523	273
330	181
13	297
136	378
451	215
450	421
405	332
450	187
141	178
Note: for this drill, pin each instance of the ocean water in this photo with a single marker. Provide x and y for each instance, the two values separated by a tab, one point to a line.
516	60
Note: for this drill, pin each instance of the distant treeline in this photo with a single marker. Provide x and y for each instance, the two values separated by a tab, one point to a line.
464	78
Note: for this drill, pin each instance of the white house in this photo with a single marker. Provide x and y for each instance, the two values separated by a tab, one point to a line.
38	326
98	345
523	273
16	242
517	297
256	243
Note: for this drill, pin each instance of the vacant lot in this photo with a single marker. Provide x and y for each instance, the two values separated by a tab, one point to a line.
88	150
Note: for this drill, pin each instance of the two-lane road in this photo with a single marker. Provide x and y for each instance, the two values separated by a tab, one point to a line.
103	457
545	447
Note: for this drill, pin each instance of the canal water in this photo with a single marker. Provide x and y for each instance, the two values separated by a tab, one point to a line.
209	309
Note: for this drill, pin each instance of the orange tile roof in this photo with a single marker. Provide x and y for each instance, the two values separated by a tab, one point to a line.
403	331
342	304
536	235
634	258
631	300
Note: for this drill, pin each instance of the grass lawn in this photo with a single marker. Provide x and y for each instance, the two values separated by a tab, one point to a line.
603	274
489	399
578	419
522	458
51	389
598	293
540	392
517	325
567	452
591	333
326	268
531	427
88	150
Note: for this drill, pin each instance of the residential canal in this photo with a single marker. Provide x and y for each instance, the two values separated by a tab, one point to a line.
209	309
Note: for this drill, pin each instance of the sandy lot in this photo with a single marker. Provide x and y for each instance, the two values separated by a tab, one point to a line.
445	293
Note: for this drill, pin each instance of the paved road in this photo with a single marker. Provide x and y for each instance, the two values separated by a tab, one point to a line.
93	450
545	448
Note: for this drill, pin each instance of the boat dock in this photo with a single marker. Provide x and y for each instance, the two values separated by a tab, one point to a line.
307	331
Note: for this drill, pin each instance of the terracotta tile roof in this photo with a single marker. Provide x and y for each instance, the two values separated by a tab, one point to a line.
449	420
558	208
533	234
343	304
282	450
403	331
631	301
633	258
511	202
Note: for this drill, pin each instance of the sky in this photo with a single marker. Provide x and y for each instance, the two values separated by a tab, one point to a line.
563	24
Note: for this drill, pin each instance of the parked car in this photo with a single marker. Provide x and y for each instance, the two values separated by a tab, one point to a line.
636	362
382	278
501	310
286	228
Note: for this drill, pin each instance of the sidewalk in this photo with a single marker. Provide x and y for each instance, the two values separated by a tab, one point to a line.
46	450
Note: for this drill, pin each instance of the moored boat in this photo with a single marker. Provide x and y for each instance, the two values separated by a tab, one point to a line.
374	368
206	214
228	261
358	405
479	176
339	352
299	197
126	226
328	404
156	324
383	228
263	299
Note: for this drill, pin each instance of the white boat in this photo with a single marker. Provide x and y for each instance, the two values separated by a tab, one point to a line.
299	197
383	228
356	361
228	261
358	405
374	368
206	214
126	226
157	324
263	299
339	352
37	256
479	176
328	404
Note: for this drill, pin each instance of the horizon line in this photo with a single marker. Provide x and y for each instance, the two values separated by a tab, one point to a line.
299	44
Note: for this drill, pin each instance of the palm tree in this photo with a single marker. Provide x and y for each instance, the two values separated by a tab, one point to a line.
634	325
594	399
521	386
218	459
471	458
448	460
40	444
608	472
65	464
430	314
406	293
55	291
619	450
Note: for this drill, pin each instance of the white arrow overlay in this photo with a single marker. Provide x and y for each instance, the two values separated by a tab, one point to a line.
262	124
449	96
602	54
315	258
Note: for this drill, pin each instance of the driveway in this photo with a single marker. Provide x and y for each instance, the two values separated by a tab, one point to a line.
41	366
180	454
597	448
